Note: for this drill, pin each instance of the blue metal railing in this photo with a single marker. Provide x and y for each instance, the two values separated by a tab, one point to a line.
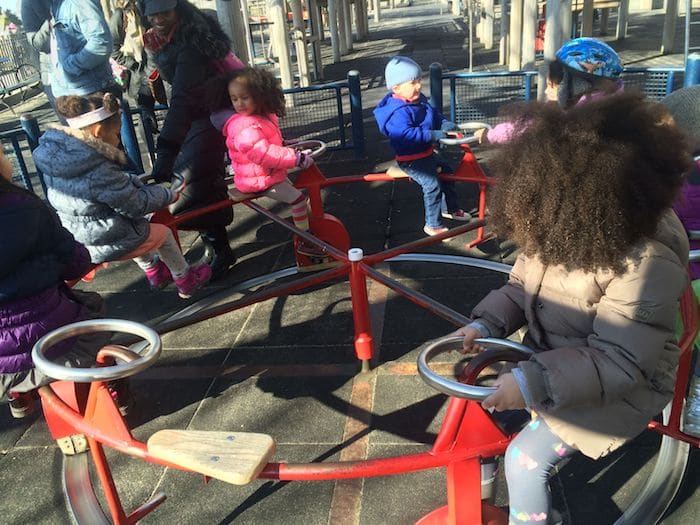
478	96
319	111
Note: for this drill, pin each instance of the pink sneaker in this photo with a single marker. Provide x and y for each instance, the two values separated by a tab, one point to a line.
159	276
196	277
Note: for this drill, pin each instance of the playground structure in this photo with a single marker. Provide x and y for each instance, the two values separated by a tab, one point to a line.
81	414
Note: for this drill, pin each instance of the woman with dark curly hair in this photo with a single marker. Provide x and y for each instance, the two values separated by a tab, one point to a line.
188	47
587	194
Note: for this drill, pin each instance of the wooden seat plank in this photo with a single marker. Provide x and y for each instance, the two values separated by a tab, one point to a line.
233	457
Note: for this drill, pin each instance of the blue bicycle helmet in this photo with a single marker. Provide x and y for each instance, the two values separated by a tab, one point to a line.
590	57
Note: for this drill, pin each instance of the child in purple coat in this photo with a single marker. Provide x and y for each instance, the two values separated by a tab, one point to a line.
37	255
684	107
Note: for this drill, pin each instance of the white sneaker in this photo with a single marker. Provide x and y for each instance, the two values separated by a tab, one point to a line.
457	215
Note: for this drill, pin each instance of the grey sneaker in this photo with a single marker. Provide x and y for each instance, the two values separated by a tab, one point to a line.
691	419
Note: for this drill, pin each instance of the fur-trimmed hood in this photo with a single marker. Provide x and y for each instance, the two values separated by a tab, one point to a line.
84	136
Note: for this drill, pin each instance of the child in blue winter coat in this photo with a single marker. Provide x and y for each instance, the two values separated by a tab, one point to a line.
103	206
413	127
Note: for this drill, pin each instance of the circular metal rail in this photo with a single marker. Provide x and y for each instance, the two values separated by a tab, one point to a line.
452	387
106	373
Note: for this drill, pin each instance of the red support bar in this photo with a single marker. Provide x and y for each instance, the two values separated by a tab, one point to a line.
364	343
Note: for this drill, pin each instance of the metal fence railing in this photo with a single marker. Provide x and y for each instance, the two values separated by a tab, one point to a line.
19	64
331	113
479	96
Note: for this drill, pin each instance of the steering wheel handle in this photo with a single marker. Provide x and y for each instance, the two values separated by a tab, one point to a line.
106	373
450	386
469	127
317	147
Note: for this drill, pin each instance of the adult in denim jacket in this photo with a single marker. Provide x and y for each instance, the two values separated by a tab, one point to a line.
80	63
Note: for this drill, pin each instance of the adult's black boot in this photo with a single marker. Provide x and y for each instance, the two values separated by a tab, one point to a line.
217	252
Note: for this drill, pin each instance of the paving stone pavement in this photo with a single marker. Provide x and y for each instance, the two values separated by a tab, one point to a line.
286	366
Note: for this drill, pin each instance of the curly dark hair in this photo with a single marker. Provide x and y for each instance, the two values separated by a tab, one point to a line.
581	187
263	86
70	106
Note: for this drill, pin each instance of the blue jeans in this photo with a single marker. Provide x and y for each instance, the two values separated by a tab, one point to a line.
437	194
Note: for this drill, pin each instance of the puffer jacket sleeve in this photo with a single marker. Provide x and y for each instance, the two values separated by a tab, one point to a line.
126	194
402	127
501	311
252	142
633	326
191	70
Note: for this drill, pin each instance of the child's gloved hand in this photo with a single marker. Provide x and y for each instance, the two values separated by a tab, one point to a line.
304	159
436	135
449	126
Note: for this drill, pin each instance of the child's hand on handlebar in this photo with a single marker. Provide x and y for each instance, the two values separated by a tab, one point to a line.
482	135
507	397
449	126
304	159
469	334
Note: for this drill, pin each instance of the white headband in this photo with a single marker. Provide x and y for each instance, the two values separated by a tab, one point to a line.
89	118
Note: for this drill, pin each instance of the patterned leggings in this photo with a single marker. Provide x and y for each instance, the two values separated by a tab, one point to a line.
529	458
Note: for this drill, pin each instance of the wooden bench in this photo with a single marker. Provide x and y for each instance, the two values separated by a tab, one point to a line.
233	457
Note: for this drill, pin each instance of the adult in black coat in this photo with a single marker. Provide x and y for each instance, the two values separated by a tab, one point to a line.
184	45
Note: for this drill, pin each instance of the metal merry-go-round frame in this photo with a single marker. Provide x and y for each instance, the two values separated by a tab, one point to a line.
80	414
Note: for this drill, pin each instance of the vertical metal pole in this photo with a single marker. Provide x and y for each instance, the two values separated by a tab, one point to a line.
129	139
280	37
692	70
358	129
30	125
669	31
567	21
503	33
515	35
316	22
587	21
299	36
471	34
623	14
552	42
487	19
347	22
436	86
364	343
333	28
250	48
529	33
686	36
377	10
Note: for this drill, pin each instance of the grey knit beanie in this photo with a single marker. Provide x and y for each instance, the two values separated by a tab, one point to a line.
684	106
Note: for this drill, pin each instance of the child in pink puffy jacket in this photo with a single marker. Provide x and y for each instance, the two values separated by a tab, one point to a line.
246	105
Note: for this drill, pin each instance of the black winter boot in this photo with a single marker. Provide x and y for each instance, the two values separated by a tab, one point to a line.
217	252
